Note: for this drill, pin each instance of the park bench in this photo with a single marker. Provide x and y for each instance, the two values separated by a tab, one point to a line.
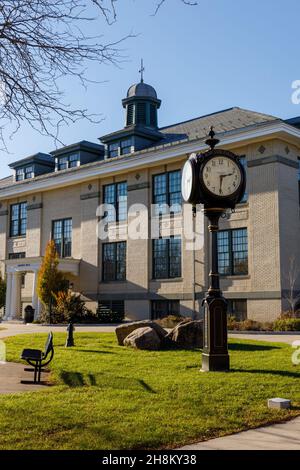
38	359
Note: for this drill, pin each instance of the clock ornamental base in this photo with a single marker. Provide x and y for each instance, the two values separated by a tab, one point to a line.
215	355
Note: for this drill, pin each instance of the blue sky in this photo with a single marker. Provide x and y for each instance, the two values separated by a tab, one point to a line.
201	59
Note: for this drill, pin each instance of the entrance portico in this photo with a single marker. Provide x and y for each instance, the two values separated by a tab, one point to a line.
14	270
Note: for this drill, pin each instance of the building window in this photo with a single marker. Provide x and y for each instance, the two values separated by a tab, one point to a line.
163	308
237	309
29	173
233	252
62	163
113	150
243	161
19	174
167	258
116	195
114	261
167	192
62	237
109	307
125	146
73	160
17	255
18	219
70	161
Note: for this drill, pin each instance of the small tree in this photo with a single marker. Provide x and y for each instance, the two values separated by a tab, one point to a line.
50	279
2	292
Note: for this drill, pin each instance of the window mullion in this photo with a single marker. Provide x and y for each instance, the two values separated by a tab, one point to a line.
116	262
231	253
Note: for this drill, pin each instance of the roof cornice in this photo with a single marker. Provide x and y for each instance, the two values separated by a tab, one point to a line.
150	157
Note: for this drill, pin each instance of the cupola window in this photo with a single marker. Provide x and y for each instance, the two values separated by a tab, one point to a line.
130	114
141	113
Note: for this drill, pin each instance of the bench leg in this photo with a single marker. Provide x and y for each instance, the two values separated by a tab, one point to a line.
39	374
35	372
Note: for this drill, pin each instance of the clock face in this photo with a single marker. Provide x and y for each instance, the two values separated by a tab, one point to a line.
187	181
221	176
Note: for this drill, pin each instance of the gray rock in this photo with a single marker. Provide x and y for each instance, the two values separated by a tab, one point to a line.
122	331
143	338
188	334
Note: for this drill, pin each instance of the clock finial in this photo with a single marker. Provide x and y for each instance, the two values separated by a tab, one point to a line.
142	70
212	141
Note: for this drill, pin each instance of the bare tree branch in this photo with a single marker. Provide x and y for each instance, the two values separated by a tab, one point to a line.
186	2
41	42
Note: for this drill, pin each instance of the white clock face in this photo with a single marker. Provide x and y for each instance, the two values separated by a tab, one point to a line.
187	181
221	176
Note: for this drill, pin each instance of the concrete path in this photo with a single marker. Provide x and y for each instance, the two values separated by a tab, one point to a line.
272	337
283	436
11	375
12	329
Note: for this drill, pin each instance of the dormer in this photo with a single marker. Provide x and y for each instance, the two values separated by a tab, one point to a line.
30	167
75	155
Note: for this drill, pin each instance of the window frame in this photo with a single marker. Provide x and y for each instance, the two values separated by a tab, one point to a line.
116	201
168	258
63	237
169	310
20	220
67	161
115	261
231	251
167	193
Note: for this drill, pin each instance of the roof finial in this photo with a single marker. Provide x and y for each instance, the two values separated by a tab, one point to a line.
212	141
142	70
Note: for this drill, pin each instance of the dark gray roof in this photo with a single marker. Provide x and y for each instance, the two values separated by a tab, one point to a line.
8	181
142	90
223	121
82	145
43	158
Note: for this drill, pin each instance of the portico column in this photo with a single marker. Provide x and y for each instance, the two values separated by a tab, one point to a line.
15	295
35	300
8	296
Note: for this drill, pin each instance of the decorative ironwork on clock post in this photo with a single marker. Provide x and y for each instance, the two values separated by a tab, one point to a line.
217	180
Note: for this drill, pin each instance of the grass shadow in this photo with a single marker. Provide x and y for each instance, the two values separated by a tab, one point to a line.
146	386
281	373
97	351
102	380
251	347
72	379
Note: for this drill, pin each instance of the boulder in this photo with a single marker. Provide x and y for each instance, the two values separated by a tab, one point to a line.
143	338
122	331
188	334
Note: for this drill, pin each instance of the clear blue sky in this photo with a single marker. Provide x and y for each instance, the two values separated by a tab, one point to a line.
201	59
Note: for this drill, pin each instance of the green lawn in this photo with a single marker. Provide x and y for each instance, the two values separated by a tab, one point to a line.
108	396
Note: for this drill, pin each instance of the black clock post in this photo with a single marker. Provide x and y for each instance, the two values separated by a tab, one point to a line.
217	180
215	355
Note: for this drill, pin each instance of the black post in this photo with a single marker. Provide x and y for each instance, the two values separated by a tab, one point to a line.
215	355
70	338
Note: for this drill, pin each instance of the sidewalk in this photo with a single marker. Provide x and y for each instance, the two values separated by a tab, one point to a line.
11	375
283	436
12	329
